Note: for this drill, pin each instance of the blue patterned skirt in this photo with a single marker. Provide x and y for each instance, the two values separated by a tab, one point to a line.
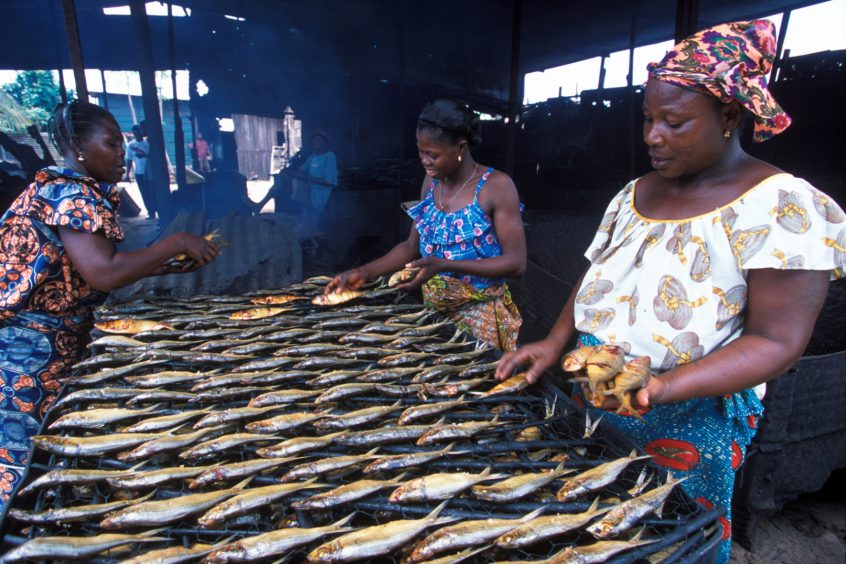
35	350
703	439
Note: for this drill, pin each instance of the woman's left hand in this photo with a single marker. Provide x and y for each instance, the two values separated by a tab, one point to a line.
654	391
429	266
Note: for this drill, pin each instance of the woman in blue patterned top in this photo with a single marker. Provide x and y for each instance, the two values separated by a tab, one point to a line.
467	236
57	263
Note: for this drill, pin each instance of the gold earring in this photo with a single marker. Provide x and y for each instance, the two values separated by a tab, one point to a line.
727	134
80	158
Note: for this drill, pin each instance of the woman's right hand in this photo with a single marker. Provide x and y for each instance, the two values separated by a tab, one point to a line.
540	356
201	250
352	279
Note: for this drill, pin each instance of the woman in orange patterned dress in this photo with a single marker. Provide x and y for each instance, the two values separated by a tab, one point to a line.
57	262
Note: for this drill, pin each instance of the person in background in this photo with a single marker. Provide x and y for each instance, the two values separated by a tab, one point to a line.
715	265
467	229
315	179
57	263
136	157
282	189
203	152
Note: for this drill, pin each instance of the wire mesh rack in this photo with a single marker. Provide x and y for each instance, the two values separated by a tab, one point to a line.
217	364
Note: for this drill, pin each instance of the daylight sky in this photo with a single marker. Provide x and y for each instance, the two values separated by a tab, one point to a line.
810	30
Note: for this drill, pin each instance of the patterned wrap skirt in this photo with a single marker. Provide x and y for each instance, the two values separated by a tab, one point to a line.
490	314
36	349
702	439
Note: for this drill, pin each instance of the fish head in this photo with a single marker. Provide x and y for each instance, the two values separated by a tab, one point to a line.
47	440
419	554
508	540
570	554
227	553
639	369
112	521
325	552
398	494
639	363
576	359
601	529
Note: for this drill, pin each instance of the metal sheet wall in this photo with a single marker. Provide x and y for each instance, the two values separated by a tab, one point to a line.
255	137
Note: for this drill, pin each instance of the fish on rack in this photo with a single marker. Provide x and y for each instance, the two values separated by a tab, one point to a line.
626	514
449	431
346	493
377	539
517	487
226	472
548	526
160	512
60	515
252	499
595	478
274	543
443	485
467	533
76	547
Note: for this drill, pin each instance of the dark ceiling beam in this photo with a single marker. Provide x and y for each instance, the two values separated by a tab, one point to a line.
514	82
178	135
785	21
157	173
687	16
75	49
609	39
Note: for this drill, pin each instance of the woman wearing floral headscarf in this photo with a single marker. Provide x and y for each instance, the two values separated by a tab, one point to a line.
715	265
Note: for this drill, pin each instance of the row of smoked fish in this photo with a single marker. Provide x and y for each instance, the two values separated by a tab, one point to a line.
253	428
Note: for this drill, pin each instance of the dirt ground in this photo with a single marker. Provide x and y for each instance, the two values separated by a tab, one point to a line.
810	530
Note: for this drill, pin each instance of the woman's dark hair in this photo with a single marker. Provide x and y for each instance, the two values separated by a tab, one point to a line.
450	122
75	121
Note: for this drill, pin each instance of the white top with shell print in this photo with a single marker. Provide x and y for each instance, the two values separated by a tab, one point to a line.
676	289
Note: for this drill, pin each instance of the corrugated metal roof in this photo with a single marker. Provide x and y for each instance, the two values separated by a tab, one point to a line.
261	253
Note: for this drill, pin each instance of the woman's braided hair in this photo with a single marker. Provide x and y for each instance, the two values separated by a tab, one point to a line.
450	122
75	121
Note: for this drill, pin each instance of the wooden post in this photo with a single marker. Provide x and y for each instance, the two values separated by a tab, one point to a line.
782	31
75	49
55	29
630	161
514	87
157	173
63	91
400	97
105	90
178	135
600	87
687	14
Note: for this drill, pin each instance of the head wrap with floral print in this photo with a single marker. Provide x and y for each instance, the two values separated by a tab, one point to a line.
729	61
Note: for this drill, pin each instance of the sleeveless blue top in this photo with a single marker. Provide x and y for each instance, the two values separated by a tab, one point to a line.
465	234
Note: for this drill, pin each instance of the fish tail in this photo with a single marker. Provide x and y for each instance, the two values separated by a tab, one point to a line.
243	483
531	515
137	466
145	498
437	511
594	506
340	524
